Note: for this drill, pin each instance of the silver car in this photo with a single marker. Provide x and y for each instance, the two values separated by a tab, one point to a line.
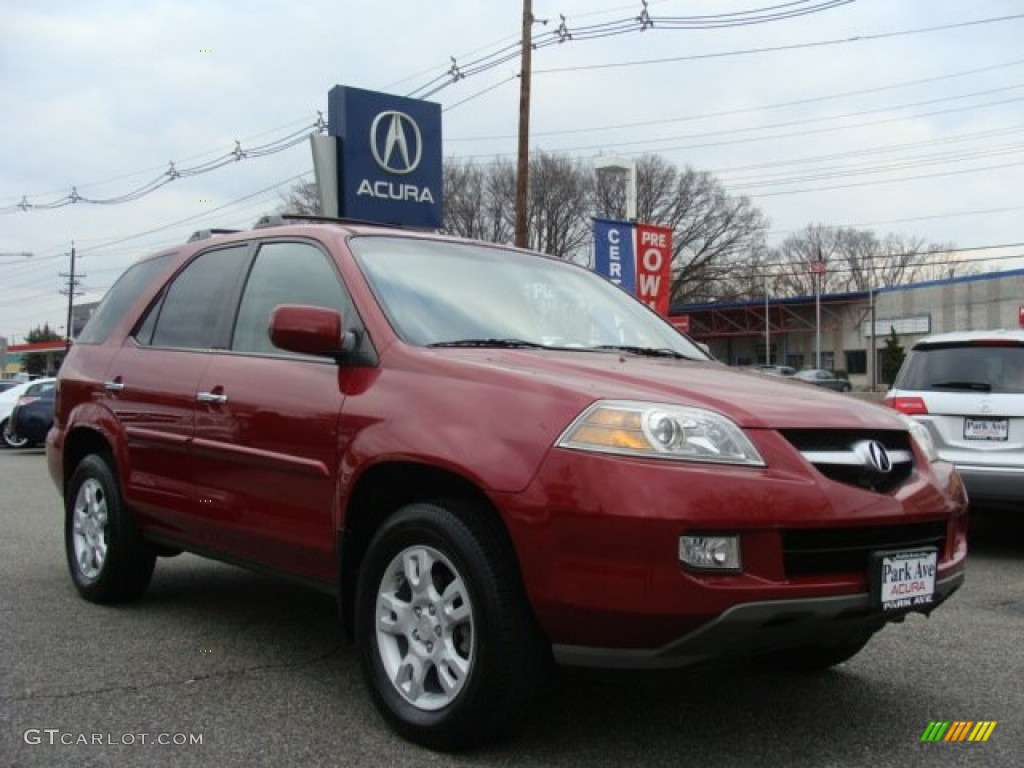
967	389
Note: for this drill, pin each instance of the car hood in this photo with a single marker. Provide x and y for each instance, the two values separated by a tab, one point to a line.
751	400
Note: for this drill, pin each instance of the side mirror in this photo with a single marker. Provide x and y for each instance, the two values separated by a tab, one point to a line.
308	330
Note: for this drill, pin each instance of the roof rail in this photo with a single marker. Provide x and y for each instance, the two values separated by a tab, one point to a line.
203	234
279	219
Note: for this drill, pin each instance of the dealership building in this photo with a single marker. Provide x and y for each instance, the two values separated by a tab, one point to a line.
788	331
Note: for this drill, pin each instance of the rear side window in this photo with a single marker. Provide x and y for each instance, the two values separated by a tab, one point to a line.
120	298
42	389
197	307
964	368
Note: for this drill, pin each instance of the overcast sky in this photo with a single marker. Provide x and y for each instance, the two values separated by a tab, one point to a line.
899	116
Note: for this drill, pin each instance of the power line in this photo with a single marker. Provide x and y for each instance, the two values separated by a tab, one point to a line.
748	110
507	53
490	62
653	144
644	21
173	173
204	214
777	48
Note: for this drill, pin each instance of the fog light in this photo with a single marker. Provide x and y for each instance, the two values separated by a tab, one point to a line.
710	552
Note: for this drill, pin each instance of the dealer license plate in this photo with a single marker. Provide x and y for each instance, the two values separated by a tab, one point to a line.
986	429
905	579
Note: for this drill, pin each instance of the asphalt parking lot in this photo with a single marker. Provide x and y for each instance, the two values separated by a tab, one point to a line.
217	666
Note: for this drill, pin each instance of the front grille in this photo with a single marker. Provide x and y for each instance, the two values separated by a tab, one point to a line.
821	551
842	455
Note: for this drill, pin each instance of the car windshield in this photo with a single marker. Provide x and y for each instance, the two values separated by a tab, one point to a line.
463	294
964	367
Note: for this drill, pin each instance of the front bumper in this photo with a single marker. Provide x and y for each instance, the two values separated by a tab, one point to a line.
597	538
754	628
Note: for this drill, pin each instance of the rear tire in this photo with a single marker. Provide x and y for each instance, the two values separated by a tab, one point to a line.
449	649
108	558
8	439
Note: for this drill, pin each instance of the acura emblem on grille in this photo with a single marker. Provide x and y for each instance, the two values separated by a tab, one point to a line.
879	457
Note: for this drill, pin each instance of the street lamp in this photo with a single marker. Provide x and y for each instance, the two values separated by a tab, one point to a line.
628	167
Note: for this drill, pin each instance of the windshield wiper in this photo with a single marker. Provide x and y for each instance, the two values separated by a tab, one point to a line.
505	343
645	351
976	386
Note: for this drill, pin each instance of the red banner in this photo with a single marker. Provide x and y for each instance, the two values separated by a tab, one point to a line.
653	257
681	323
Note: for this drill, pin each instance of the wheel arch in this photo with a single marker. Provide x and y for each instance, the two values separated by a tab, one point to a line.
381	491
81	442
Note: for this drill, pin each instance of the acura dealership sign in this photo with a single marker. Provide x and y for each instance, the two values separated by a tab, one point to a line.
389	157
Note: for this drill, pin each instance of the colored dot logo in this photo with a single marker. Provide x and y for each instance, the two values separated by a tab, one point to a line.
206	50
959	730
205	200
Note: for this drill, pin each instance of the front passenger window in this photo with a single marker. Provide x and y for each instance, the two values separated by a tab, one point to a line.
284	273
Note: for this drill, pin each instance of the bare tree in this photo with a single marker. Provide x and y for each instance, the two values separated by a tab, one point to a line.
753	277
714	233
478	200
561	189
302	197
718	239
854	260
942	262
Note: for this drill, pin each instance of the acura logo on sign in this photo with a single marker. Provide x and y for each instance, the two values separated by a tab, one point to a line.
879	457
395	142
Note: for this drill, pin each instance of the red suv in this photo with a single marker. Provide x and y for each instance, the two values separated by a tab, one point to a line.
492	458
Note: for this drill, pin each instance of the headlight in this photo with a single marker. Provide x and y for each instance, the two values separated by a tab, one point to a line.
660	431
920	435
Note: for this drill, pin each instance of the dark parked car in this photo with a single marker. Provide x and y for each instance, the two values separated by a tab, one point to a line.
32	415
823	378
491	458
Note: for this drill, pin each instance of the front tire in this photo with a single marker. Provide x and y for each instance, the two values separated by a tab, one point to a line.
108	558
449	649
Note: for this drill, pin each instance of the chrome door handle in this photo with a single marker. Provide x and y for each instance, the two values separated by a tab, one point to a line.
113	386
211	397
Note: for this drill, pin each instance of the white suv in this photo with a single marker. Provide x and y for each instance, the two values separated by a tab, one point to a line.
967	388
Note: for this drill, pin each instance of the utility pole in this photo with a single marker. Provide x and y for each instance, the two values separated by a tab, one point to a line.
523	167
70	293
